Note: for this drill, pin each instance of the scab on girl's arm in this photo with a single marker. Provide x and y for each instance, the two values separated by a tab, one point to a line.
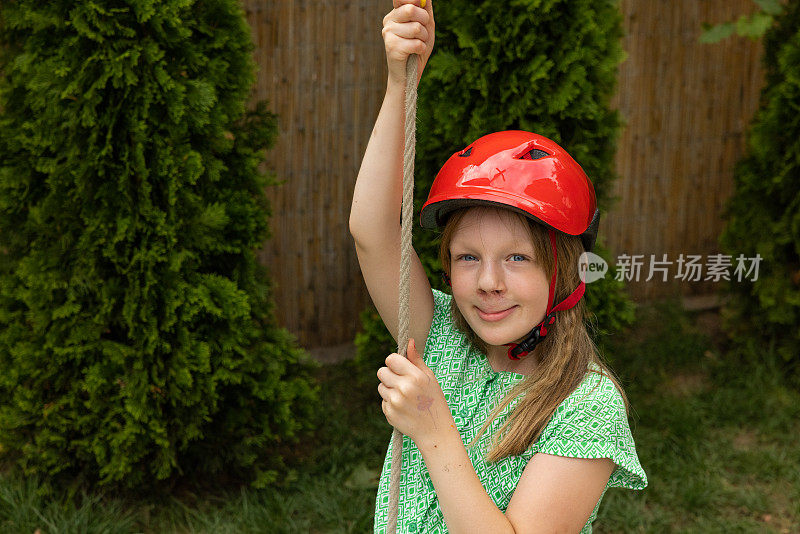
466	506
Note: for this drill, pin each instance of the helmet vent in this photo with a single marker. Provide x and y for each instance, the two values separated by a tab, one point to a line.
466	153
535	154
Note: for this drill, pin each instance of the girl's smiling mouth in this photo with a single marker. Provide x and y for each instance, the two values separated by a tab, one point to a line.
495	316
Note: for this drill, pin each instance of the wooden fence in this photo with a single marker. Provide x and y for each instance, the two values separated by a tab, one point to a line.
322	67
687	107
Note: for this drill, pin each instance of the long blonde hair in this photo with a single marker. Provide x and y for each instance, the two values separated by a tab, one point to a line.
563	357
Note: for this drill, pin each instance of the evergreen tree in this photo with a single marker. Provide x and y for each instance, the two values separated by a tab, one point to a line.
763	215
137	334
545	66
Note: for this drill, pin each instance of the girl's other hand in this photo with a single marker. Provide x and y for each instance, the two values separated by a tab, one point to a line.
413	401
408	29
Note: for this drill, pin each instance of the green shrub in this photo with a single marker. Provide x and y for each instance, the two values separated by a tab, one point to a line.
763	215
137	334
545	66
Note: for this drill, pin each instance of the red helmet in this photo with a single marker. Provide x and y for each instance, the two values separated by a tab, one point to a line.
522	171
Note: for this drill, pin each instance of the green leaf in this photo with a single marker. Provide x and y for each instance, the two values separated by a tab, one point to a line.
718	32
770	7
754	26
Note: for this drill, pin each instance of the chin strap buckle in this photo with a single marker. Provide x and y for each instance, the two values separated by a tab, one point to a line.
536	336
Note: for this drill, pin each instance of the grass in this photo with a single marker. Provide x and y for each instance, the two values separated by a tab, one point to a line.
717	436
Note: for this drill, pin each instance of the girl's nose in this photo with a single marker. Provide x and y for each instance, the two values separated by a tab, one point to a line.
490	278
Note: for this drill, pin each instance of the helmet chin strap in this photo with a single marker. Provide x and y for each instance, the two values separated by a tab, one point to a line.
537	335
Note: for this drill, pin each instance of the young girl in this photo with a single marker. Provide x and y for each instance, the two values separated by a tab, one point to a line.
511	421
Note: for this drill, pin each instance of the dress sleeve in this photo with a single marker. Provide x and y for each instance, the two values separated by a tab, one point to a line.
592	423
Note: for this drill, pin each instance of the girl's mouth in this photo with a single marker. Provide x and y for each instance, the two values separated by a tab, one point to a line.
494	316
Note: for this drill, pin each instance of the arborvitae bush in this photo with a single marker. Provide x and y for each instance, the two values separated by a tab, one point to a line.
138	341
764	211
545	66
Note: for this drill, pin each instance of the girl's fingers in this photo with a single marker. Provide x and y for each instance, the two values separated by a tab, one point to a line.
390	395
404	47
424	4
400	3
407	13
387	377
408	30
400	365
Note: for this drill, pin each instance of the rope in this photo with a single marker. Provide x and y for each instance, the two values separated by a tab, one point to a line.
404	314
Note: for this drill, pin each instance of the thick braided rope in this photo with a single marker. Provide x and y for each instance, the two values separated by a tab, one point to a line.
404	315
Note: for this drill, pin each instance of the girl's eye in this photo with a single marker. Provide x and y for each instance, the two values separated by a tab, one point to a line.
467	257
517	257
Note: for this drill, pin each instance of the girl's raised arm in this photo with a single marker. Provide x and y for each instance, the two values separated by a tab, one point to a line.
375	212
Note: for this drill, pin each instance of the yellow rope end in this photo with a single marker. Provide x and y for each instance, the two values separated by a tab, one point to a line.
422	2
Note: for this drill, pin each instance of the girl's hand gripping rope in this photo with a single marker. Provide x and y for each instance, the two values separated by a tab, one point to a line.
408	29
413	401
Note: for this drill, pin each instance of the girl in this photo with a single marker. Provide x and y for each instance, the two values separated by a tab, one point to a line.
511	421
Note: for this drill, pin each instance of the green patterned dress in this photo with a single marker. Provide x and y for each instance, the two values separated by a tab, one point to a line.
590	423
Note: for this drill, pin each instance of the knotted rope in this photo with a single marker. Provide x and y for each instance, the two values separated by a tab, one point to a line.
404	315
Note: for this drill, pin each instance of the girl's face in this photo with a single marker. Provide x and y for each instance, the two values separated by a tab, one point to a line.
497	283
